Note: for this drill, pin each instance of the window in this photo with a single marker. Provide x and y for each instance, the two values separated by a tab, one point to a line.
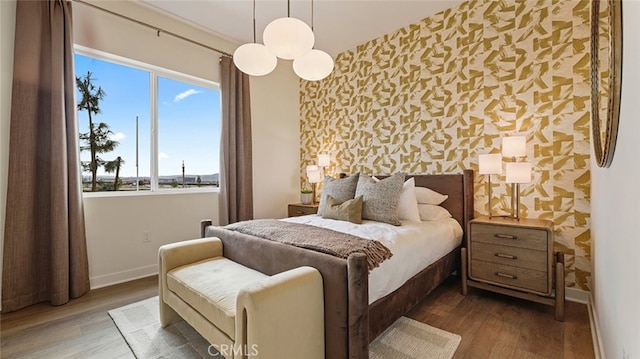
121	102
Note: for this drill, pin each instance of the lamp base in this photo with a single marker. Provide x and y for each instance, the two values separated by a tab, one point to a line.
515	201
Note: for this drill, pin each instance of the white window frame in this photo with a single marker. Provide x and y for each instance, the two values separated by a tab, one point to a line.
155	72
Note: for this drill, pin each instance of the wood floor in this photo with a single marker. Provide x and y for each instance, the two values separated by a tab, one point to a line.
491	325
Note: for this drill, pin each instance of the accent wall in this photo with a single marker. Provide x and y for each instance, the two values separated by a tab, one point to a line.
431	96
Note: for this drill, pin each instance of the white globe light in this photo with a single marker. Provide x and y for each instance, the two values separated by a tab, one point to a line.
313	66
254	59
288	38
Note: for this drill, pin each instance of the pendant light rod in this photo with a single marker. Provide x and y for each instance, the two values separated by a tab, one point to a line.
254	59
288	8
254	21
311	15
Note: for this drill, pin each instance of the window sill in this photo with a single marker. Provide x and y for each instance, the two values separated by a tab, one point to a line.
149	193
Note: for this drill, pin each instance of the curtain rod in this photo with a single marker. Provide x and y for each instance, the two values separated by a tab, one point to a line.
157	29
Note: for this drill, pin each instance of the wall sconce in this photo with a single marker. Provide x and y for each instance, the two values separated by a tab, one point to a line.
490	164
517	173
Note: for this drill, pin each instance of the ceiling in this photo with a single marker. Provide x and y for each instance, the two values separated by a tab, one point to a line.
339	25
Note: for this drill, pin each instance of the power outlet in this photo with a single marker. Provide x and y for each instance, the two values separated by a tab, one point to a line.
147	236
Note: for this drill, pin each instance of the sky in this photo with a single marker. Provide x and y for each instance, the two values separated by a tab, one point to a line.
188	120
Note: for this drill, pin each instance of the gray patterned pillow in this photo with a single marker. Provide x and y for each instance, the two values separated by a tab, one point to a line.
380	199
342	189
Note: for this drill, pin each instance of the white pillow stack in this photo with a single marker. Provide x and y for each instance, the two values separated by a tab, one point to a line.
429	202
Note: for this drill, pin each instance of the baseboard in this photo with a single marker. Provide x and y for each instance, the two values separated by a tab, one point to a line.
595	329
123	276
577	295
584	297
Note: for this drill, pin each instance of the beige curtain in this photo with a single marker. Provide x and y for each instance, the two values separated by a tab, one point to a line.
45	254
236	179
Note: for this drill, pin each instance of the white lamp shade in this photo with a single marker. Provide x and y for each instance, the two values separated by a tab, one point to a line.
514	146
490	164
288	38
254	59
519	172
324	160
314	176
312	168
314	65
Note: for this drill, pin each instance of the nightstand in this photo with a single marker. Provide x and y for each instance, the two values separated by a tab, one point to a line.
515	258
299	209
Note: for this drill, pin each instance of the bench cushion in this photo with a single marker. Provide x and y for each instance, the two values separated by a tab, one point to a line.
211	287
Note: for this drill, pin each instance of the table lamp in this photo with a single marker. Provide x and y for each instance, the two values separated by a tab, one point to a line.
517	173
490	164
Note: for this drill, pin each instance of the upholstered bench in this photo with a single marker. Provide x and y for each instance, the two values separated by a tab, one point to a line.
243	313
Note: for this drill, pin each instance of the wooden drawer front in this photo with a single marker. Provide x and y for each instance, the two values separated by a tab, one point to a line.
511	256
301	210
509	236
515	277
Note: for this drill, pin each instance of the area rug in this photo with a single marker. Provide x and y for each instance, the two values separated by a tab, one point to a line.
140	327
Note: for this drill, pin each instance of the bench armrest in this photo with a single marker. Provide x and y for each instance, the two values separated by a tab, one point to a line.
174	255
177	254
282	316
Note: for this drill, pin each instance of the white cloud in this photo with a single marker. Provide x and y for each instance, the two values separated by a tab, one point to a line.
181	96
118	136
162	155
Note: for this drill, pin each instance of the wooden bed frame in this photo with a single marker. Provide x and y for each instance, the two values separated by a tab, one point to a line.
350	322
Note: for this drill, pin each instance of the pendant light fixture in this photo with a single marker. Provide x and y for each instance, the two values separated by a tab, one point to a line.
287	37
254	59
315	64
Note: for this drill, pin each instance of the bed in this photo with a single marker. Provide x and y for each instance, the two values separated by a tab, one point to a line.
351	319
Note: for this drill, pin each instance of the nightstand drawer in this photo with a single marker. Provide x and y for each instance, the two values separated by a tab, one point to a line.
525	279
302	209
511	256
510	236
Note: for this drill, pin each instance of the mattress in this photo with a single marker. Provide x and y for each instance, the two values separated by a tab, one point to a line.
415	246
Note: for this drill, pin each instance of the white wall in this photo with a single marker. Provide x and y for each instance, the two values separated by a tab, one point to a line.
275	106
615	212
116	224
7	31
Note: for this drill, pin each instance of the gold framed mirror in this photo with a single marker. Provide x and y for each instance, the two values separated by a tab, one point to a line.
606	77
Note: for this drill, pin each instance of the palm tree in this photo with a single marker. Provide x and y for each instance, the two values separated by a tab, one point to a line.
98	139
114	166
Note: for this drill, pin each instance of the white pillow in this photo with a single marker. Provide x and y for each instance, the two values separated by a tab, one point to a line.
430	212
429	196
408	203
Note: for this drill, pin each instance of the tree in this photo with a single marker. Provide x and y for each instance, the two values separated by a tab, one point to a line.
199	181
98	139
174	183
114	166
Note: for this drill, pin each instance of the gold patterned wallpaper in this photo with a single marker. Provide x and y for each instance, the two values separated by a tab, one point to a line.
433	95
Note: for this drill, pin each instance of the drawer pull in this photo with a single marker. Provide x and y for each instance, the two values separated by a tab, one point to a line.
505	236
507	256
504	275
299	212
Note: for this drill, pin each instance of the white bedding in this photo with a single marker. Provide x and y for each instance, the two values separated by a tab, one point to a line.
415	245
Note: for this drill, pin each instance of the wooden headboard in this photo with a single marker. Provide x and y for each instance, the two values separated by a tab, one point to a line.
459	187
